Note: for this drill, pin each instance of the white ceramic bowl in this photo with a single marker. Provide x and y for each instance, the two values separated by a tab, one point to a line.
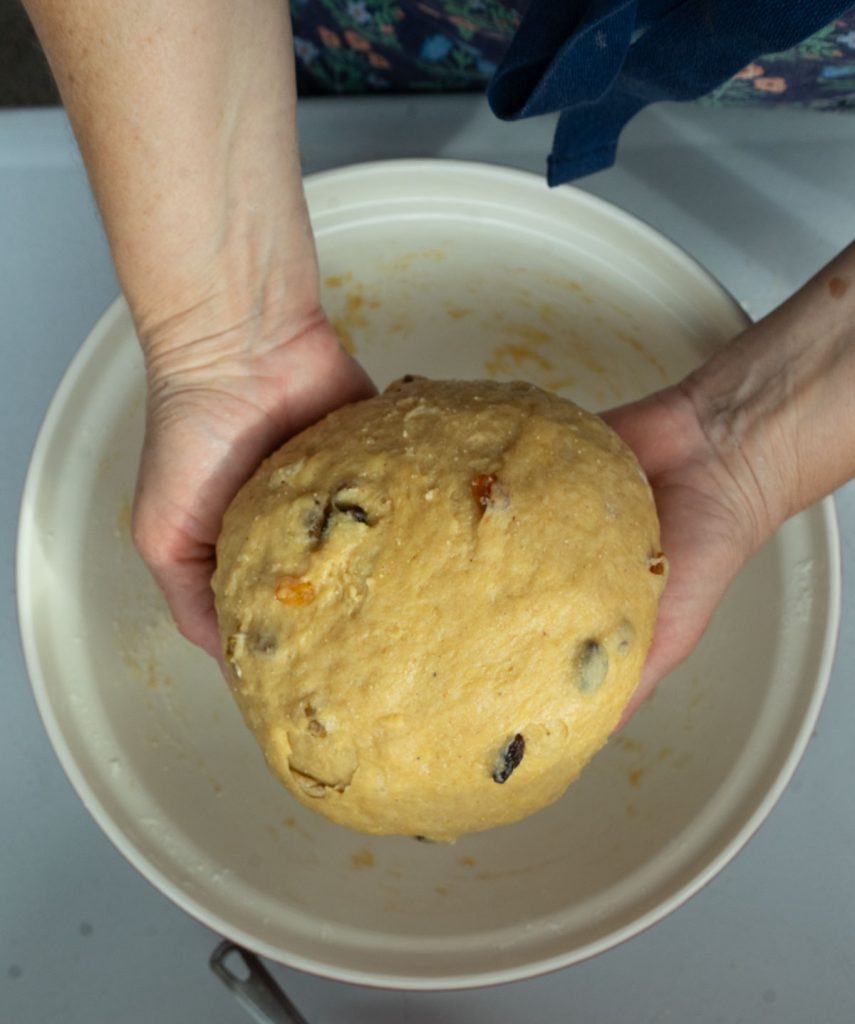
443	269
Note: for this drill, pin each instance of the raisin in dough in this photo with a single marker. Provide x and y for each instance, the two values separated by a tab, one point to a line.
435	604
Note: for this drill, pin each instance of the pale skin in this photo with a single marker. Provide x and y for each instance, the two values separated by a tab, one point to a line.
186	118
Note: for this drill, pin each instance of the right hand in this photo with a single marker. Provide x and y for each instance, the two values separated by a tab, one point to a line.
712	517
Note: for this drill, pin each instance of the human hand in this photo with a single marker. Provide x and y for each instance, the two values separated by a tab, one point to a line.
186	117
712	516
215	410
759	432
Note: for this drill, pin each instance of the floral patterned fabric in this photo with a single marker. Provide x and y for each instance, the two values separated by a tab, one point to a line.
360	46
818	73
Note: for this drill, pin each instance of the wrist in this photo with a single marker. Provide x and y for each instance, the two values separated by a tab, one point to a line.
186	119
739	415
227	262
257	291
224	336
776	403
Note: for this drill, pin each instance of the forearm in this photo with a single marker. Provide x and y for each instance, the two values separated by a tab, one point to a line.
779	402
186	117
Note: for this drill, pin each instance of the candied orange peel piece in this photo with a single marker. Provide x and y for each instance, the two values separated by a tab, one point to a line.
482	490
657	564
294	591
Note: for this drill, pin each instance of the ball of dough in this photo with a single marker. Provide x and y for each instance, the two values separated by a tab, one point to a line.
435	604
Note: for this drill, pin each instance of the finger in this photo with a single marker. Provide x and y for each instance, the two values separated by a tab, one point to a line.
182	568
661	429
682	620
656	667
187	589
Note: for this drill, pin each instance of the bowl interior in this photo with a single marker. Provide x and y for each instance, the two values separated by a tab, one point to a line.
444	270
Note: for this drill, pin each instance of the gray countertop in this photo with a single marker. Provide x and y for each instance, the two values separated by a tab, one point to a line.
762	200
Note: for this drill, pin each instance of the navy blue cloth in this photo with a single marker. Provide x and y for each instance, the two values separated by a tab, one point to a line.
599	62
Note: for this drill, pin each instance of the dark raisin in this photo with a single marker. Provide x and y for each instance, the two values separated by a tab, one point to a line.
408	378
592	666
424	839
318	520
356	512
509	759
264	643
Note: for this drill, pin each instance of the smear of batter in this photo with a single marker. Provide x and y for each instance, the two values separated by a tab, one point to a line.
362	859
351	319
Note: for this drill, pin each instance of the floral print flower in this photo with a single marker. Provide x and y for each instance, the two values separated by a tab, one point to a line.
768	83
848	40
749	71
357	42
436	47
305	49
377	60
329	38
358	10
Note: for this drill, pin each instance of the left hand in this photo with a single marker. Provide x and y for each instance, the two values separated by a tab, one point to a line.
207	429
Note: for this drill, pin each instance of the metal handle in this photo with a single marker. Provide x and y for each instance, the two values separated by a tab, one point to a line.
259	993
